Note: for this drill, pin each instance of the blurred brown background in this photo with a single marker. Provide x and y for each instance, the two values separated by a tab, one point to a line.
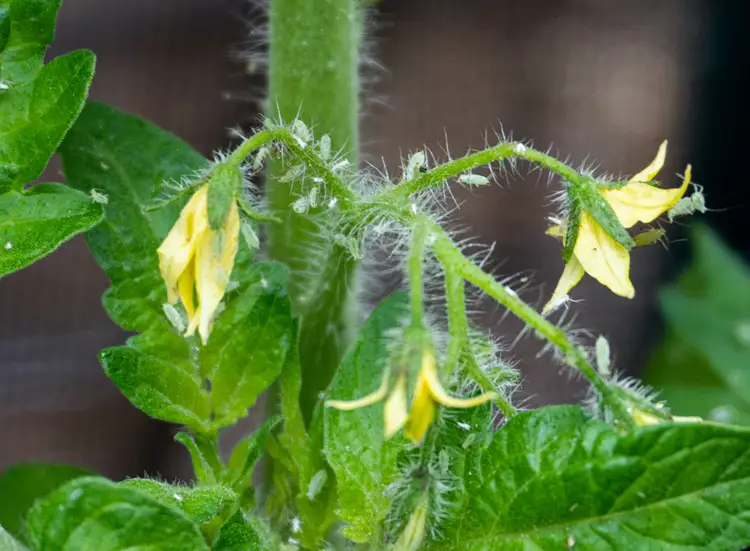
600	80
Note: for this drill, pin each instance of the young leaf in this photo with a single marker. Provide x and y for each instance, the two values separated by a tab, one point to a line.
163	385
21	484
246	454
248	346
200	504
363	460
94	514
555	479
243	532
35	223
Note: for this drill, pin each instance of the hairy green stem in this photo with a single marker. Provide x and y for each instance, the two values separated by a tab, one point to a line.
313	58
437	176
415	264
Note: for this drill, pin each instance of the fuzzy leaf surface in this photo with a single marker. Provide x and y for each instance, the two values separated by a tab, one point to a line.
94	514
364	462
200	504
555	479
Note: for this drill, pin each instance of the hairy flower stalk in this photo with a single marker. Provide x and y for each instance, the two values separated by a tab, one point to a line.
596	252
196	261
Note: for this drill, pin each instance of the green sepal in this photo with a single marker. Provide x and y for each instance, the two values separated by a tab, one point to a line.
601	211
224	187
575	209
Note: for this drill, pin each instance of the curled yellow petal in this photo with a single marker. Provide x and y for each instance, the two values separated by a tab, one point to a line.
395	413
430	377
422	411
373	398
636	202
571	275
648	173
603	258
178	248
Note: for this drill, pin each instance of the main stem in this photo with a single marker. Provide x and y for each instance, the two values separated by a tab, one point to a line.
313	56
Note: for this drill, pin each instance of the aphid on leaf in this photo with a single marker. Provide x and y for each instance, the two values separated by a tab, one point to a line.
99	197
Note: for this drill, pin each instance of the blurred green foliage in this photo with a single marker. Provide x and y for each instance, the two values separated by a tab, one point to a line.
702	367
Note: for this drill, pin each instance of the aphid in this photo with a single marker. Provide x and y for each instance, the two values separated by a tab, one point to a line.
473	180
416	163
316	484
301	132
603	357
99	197
260	156
301	205
324	147
696	202
649	237
248	233
312	199
293	173
174	317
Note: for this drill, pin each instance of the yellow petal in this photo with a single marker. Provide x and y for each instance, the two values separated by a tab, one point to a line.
375	397
648	173
413	535
395	413
186	288
178	248
571	275
429	375
636	202
422	411
603	258
214	258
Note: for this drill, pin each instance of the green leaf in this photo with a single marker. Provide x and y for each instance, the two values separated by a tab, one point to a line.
587	191
363	460
248	345
34	117
93	514
556	479
163	385
200	504
9	543
32	27
20	485
35	223
131	161
243	532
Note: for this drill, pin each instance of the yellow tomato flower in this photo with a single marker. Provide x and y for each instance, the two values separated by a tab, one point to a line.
598	254
195	261
428	393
